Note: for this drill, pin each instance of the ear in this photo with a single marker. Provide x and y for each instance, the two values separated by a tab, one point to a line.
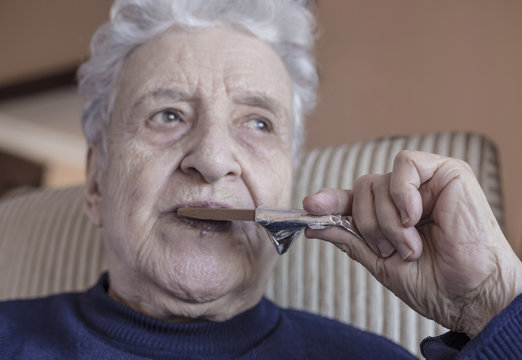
93	195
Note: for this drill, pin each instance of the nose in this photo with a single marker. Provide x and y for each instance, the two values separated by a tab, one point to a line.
212	155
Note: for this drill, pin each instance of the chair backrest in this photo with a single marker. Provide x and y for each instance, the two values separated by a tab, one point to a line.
47	244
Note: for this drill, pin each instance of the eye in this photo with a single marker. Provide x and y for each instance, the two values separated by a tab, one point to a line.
168	116
260	124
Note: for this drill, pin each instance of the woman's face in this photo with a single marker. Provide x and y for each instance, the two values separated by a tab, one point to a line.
201	118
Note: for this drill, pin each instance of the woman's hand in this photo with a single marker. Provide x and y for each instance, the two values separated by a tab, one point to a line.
431	238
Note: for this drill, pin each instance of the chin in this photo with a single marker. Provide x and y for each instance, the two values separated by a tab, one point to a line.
209	277
199	275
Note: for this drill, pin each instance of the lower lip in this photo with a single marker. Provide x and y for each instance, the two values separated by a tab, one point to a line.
206	225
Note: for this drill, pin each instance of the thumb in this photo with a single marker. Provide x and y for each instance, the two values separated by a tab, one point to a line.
329	201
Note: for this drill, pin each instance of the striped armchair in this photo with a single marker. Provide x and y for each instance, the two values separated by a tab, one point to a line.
47	244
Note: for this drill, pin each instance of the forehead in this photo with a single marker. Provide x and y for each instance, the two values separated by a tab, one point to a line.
206	61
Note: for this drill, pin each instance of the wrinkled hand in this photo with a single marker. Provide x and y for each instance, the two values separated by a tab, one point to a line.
431	238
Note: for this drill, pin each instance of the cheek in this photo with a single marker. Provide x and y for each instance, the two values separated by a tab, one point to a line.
272	181
131	184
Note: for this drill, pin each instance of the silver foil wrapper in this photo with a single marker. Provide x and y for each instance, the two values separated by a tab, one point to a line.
283	226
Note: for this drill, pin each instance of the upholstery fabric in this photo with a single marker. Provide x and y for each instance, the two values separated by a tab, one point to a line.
47	244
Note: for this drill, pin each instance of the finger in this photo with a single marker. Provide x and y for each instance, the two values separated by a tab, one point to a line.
329	201
365	216
352	246
405	239
411	169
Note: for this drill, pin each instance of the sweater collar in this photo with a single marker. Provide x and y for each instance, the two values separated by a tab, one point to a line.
128	327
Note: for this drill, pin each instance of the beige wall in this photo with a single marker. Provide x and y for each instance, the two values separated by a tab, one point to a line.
41	37
411	66
388	67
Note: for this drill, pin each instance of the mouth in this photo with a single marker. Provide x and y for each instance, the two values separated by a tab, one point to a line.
202	225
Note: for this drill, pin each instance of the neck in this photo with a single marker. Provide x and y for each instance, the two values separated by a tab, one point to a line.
136	307
156	302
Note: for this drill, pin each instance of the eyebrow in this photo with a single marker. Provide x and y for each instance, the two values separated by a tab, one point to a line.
262	101
255	100
166	93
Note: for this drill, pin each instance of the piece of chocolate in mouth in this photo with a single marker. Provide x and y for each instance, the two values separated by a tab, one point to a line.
220	214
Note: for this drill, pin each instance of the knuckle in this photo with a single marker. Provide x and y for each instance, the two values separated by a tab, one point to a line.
363	182
460	167
404	156
464	165
379	271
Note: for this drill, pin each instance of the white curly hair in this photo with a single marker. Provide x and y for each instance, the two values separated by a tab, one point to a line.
288	26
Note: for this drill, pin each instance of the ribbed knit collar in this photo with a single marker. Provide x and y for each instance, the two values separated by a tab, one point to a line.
128	328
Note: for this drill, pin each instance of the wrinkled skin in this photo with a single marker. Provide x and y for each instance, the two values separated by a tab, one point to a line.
200	118
455	266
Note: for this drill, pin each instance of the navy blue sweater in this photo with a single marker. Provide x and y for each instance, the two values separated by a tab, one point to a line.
91	325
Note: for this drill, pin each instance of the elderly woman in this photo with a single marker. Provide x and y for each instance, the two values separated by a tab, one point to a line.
201	104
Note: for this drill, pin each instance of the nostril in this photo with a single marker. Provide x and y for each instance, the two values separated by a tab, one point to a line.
189	170
211	167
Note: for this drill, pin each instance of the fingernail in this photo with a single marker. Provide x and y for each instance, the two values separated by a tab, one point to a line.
385	248
404	251
404	218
